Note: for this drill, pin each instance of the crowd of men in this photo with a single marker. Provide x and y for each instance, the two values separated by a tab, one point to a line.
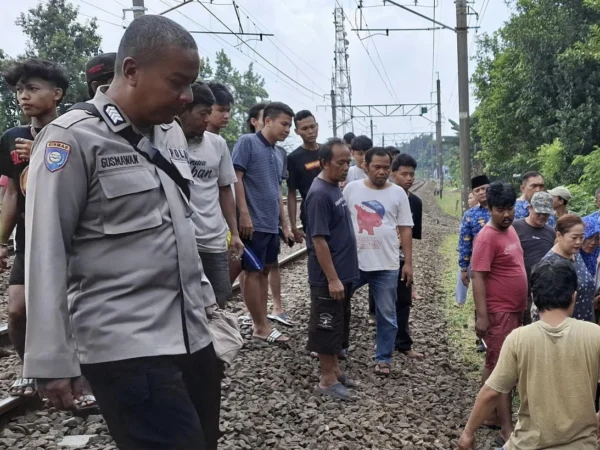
133	219
533	267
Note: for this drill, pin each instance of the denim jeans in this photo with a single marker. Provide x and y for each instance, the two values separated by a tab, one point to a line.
384	287
461	289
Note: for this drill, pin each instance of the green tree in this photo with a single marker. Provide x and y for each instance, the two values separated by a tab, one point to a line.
9	109
248	88
55	34
537	80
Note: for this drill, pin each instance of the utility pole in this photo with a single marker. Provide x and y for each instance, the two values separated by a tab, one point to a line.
333	113
341	71
463	99
371	129
438	135
138	8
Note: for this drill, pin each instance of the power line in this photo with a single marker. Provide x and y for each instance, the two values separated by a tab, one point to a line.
395	96
261	56
101	20
314	69
368	53
223	41
283	53
101	9
119	3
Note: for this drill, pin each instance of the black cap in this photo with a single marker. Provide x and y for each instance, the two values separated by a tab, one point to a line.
99	66
479	180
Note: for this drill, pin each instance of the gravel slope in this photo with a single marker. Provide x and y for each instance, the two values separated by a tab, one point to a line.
271	405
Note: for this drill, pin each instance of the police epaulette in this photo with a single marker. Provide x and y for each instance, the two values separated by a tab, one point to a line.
70	118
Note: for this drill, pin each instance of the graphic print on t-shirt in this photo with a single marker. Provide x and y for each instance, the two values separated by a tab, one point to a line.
199	169
370	215
312	165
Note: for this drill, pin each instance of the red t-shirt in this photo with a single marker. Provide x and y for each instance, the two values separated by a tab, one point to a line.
499	253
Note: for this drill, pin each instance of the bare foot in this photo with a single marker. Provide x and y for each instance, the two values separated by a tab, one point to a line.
415	355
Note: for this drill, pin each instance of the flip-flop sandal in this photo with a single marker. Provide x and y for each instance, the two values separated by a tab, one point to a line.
383	369
21	385
245	321
337	391
272	338
86	404
349	383
282	318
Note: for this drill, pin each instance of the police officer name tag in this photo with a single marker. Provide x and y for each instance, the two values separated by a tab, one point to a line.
119	161
56	155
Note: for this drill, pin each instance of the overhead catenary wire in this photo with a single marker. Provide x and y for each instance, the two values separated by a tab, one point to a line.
261	56
368	53
395	96
276	79
253	18
298	68
102	20
101	9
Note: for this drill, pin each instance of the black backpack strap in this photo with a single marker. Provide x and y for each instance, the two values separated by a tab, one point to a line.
134	139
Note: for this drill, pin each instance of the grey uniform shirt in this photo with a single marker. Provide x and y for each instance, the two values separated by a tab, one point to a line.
111	265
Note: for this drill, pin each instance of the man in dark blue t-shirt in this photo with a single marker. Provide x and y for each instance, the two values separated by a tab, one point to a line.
332	268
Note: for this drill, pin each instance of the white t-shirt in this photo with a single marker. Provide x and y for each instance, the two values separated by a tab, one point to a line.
376	214
355	173
211	166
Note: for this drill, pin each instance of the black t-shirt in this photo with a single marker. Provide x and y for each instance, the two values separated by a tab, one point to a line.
536	242
416	208
328	216
14	171
303	168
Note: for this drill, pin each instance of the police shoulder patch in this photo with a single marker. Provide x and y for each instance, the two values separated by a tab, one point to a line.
56	155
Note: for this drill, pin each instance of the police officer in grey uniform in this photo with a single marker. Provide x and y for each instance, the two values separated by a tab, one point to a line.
114	286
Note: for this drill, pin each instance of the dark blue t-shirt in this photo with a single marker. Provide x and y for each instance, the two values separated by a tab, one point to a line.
328	216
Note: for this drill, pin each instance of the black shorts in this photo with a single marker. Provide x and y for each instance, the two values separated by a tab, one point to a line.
17	273
265	246
329	322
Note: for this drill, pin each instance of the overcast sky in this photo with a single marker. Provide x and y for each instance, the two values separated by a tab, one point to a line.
303	48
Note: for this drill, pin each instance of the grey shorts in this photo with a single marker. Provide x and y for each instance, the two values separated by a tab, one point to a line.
216	269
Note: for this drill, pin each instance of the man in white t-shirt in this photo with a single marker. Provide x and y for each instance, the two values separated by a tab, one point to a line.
359	146
211	195
380	213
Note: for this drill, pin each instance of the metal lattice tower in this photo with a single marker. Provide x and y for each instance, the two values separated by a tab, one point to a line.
340	82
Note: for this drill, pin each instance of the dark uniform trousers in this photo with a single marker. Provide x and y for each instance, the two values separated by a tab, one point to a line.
403	304
164	402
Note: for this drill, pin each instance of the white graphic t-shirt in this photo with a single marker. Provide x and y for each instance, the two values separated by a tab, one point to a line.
376	214
355	173
211	166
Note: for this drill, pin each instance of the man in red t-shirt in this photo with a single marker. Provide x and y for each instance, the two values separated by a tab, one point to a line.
499	286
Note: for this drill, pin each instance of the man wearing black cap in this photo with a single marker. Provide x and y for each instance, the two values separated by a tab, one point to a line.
99	70
472	223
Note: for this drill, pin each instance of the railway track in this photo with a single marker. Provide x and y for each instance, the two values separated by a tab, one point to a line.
301	252
10	404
